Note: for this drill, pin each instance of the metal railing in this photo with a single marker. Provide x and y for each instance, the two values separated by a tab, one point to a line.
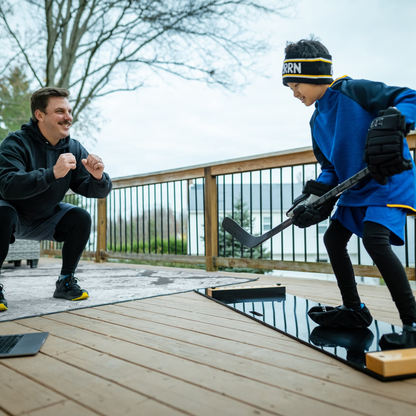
174	217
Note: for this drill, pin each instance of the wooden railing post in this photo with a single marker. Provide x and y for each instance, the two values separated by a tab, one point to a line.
101	229
211	220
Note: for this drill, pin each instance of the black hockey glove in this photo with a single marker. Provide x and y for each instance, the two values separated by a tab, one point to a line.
384	148
303	215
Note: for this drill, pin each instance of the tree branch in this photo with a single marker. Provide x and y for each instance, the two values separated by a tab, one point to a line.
91	44
19	45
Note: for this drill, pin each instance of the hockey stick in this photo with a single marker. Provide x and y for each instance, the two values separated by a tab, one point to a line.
252	241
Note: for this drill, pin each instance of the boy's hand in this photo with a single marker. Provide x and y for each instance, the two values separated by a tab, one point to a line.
384	148
94	165
303	215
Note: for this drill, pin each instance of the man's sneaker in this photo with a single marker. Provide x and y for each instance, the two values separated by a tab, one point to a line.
3	301
68	289
341	316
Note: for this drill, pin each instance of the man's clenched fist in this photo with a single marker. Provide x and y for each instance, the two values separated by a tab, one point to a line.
94	165
64	164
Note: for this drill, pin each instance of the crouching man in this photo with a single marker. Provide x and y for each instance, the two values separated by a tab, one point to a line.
38	165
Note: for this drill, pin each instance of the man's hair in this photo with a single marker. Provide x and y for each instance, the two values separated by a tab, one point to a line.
40	99
306	48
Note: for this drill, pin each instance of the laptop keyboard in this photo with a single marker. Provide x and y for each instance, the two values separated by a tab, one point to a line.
8	342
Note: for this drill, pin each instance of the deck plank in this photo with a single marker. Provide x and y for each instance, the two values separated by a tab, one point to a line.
195	321
181	308
193	316
66	408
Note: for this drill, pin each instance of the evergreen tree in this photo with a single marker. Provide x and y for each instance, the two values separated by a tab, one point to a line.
14	101
230	247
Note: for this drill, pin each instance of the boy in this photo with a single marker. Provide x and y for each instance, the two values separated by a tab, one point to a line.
357	122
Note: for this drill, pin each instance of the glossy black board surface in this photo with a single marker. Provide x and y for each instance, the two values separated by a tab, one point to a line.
288	314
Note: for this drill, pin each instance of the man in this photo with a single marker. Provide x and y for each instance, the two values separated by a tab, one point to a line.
38	165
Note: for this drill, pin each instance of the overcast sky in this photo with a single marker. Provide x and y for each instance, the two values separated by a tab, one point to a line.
175	123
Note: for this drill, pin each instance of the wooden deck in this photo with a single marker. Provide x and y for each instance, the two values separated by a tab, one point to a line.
185	355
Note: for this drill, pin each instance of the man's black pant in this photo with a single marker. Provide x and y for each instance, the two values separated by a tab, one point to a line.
376	239
73	229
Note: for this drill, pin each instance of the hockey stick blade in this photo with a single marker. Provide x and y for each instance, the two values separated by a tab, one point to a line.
252	241
248	239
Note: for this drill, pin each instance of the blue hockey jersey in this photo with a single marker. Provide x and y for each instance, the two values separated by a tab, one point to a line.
339	129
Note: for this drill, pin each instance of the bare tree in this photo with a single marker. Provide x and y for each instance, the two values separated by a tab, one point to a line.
97	47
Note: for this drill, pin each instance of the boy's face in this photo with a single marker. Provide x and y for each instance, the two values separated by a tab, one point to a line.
307	93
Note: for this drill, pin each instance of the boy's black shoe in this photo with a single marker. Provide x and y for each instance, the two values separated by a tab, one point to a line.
68	289
3	301
341	316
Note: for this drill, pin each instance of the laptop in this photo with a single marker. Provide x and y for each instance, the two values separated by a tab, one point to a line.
21	344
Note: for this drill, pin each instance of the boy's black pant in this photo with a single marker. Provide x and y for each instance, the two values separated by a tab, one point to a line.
73	229
376	241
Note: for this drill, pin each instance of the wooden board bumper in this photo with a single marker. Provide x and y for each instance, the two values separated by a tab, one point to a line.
245	292
392	363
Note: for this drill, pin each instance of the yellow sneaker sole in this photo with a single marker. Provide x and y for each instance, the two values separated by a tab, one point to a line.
82	297
3	307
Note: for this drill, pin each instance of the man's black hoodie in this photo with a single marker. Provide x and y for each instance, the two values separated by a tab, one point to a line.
26	172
